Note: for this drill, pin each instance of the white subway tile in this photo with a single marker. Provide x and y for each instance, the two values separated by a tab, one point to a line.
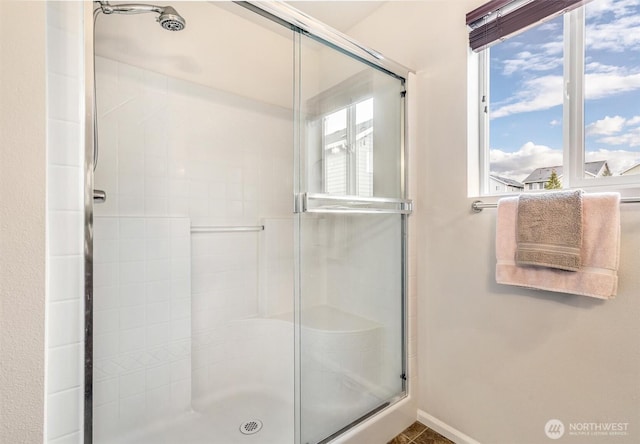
63	52
132	383
64	143
132	317
63	413
132	228
157	228
63	97
105	391
180	329
157	334
132	410
64	365
105	420
73	438
159	402
105	297
132	250
105	345
106	321
132	272
157	270
158	376
105	251
131	340
66	279
158	312
65	233
67	317
181	394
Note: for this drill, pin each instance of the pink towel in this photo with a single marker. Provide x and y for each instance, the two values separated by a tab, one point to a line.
598	276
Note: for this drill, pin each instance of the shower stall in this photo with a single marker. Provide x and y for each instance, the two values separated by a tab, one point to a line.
246	226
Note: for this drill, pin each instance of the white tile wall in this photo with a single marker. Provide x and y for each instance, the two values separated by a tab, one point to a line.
65	276
173	148
142	337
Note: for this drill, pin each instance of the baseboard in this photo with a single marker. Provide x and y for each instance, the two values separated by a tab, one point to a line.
444	429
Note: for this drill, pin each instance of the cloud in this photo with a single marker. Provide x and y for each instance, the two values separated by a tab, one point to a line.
633	121
538	58
519	164
606	126
555	122
535	94
613	26
603	85
618	160
617	8
630	138
545	92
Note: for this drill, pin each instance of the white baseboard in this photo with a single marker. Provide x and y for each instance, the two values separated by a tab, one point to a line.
445	430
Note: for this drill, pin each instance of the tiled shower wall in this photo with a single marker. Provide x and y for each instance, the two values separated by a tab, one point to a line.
65	218
170	148
142	321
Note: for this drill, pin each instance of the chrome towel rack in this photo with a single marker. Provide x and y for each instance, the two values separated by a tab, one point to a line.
478	205
225	229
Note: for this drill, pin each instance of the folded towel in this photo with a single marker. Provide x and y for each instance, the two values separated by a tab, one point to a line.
600	251
549	230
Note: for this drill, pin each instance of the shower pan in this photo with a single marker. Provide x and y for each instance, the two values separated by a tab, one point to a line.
246	244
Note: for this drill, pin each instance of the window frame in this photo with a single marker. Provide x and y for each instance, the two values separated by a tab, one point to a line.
352	173
573	131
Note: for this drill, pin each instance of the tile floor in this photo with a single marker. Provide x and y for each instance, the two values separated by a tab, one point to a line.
418	433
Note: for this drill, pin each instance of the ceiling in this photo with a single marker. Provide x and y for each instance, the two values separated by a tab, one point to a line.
341	15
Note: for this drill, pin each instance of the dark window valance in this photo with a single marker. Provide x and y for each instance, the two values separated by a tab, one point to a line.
498	19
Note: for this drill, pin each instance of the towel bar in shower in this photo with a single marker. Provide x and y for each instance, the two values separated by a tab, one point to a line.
478	205
225	229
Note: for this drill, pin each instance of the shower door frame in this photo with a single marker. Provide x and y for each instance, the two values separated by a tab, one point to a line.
297	21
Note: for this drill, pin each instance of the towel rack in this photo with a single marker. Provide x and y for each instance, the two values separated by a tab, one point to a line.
478	205
225	229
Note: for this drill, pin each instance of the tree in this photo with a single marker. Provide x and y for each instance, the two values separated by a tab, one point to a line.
553	183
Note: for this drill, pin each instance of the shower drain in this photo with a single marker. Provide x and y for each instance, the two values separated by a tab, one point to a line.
251	427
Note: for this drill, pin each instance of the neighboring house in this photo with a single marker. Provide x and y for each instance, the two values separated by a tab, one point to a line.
498	184
540	176
633	170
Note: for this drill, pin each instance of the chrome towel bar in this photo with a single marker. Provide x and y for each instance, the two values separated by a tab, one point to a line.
478	205
225	229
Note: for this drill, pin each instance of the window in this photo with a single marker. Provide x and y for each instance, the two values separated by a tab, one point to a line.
562	96
348	150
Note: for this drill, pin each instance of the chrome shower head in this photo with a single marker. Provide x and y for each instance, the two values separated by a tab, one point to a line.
170	20
168	17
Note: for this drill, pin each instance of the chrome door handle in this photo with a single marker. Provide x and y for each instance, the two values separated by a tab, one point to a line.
99	196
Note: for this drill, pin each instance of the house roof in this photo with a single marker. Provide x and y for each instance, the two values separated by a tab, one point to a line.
634	167
543	174
507	181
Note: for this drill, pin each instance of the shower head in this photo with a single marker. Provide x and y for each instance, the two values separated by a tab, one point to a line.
170	20
168	17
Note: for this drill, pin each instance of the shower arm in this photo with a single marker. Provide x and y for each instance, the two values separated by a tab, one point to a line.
129	8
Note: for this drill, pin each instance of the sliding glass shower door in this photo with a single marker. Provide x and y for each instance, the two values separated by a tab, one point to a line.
350	240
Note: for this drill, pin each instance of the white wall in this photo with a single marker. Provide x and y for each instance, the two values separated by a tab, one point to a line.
498	362
22	221
65	221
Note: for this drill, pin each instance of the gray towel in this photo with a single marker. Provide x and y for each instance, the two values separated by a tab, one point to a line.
549	230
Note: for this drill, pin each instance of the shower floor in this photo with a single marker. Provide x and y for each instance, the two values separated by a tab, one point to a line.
220	422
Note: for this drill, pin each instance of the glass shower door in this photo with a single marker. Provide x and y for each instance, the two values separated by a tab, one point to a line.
351	212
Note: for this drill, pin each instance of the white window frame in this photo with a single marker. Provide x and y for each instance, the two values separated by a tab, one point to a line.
573	145
352	185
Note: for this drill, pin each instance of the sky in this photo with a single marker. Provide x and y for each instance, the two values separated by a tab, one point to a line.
526	76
